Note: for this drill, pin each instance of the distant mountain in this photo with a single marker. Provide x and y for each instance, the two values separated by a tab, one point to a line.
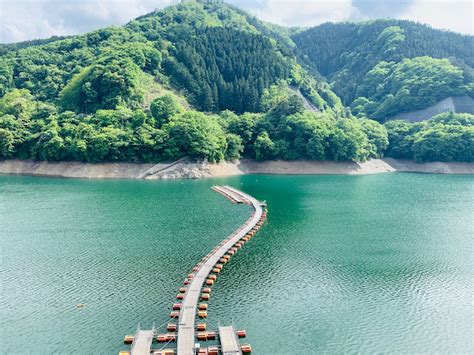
384	67
216	55
205	80
220	57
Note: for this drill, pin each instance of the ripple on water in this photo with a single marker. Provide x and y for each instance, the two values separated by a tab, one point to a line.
345	264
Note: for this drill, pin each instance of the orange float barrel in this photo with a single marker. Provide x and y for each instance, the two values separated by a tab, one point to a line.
201	336
161	338
201	326
128	339
241	333
246	348
211	335
164	338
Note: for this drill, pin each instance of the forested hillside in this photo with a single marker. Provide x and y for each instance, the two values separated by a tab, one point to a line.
384	67
224	68
206	80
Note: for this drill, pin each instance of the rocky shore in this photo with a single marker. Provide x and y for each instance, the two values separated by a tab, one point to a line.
186	169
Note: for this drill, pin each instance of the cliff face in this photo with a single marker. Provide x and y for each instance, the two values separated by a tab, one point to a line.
458	104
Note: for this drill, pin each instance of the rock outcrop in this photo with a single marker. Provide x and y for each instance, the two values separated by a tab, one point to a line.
458	104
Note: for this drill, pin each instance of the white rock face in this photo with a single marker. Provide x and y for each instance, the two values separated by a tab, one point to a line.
184	170
459	104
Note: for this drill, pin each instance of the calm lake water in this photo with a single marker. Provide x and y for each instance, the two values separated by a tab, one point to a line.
345	264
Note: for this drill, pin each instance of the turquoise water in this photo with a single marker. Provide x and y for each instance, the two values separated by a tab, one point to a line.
345	264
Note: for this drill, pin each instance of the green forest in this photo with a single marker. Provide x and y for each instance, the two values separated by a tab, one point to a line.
385	67
205	80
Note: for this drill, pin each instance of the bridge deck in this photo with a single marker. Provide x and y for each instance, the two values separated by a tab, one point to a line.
229	193
186	329
142	342
229	342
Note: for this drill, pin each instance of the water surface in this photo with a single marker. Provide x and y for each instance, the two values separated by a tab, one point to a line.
345	264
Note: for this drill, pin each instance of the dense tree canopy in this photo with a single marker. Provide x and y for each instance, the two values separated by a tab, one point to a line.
405	86
445	137
226	69
133	93
31	129
196	135
104	85
164	108
221	57
383	56
287	131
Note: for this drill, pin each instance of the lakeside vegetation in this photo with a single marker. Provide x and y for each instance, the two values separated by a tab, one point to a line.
208	81
445	137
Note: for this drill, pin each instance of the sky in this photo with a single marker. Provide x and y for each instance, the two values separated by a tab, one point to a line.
22	20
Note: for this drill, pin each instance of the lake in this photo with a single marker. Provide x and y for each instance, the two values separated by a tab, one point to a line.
345	264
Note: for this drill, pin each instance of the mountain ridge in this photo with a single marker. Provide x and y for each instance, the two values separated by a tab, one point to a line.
228	83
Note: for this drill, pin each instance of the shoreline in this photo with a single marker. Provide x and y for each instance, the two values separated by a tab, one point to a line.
185	169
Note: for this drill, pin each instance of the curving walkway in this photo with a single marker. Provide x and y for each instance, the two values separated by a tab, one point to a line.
205	272
187	315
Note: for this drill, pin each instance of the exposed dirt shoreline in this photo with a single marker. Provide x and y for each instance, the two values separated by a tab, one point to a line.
190	170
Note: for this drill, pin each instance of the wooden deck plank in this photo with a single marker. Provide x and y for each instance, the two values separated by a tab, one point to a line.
142	342
186	329
228	340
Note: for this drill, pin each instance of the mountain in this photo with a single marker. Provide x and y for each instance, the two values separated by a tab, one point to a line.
218	56
206	80
384	67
